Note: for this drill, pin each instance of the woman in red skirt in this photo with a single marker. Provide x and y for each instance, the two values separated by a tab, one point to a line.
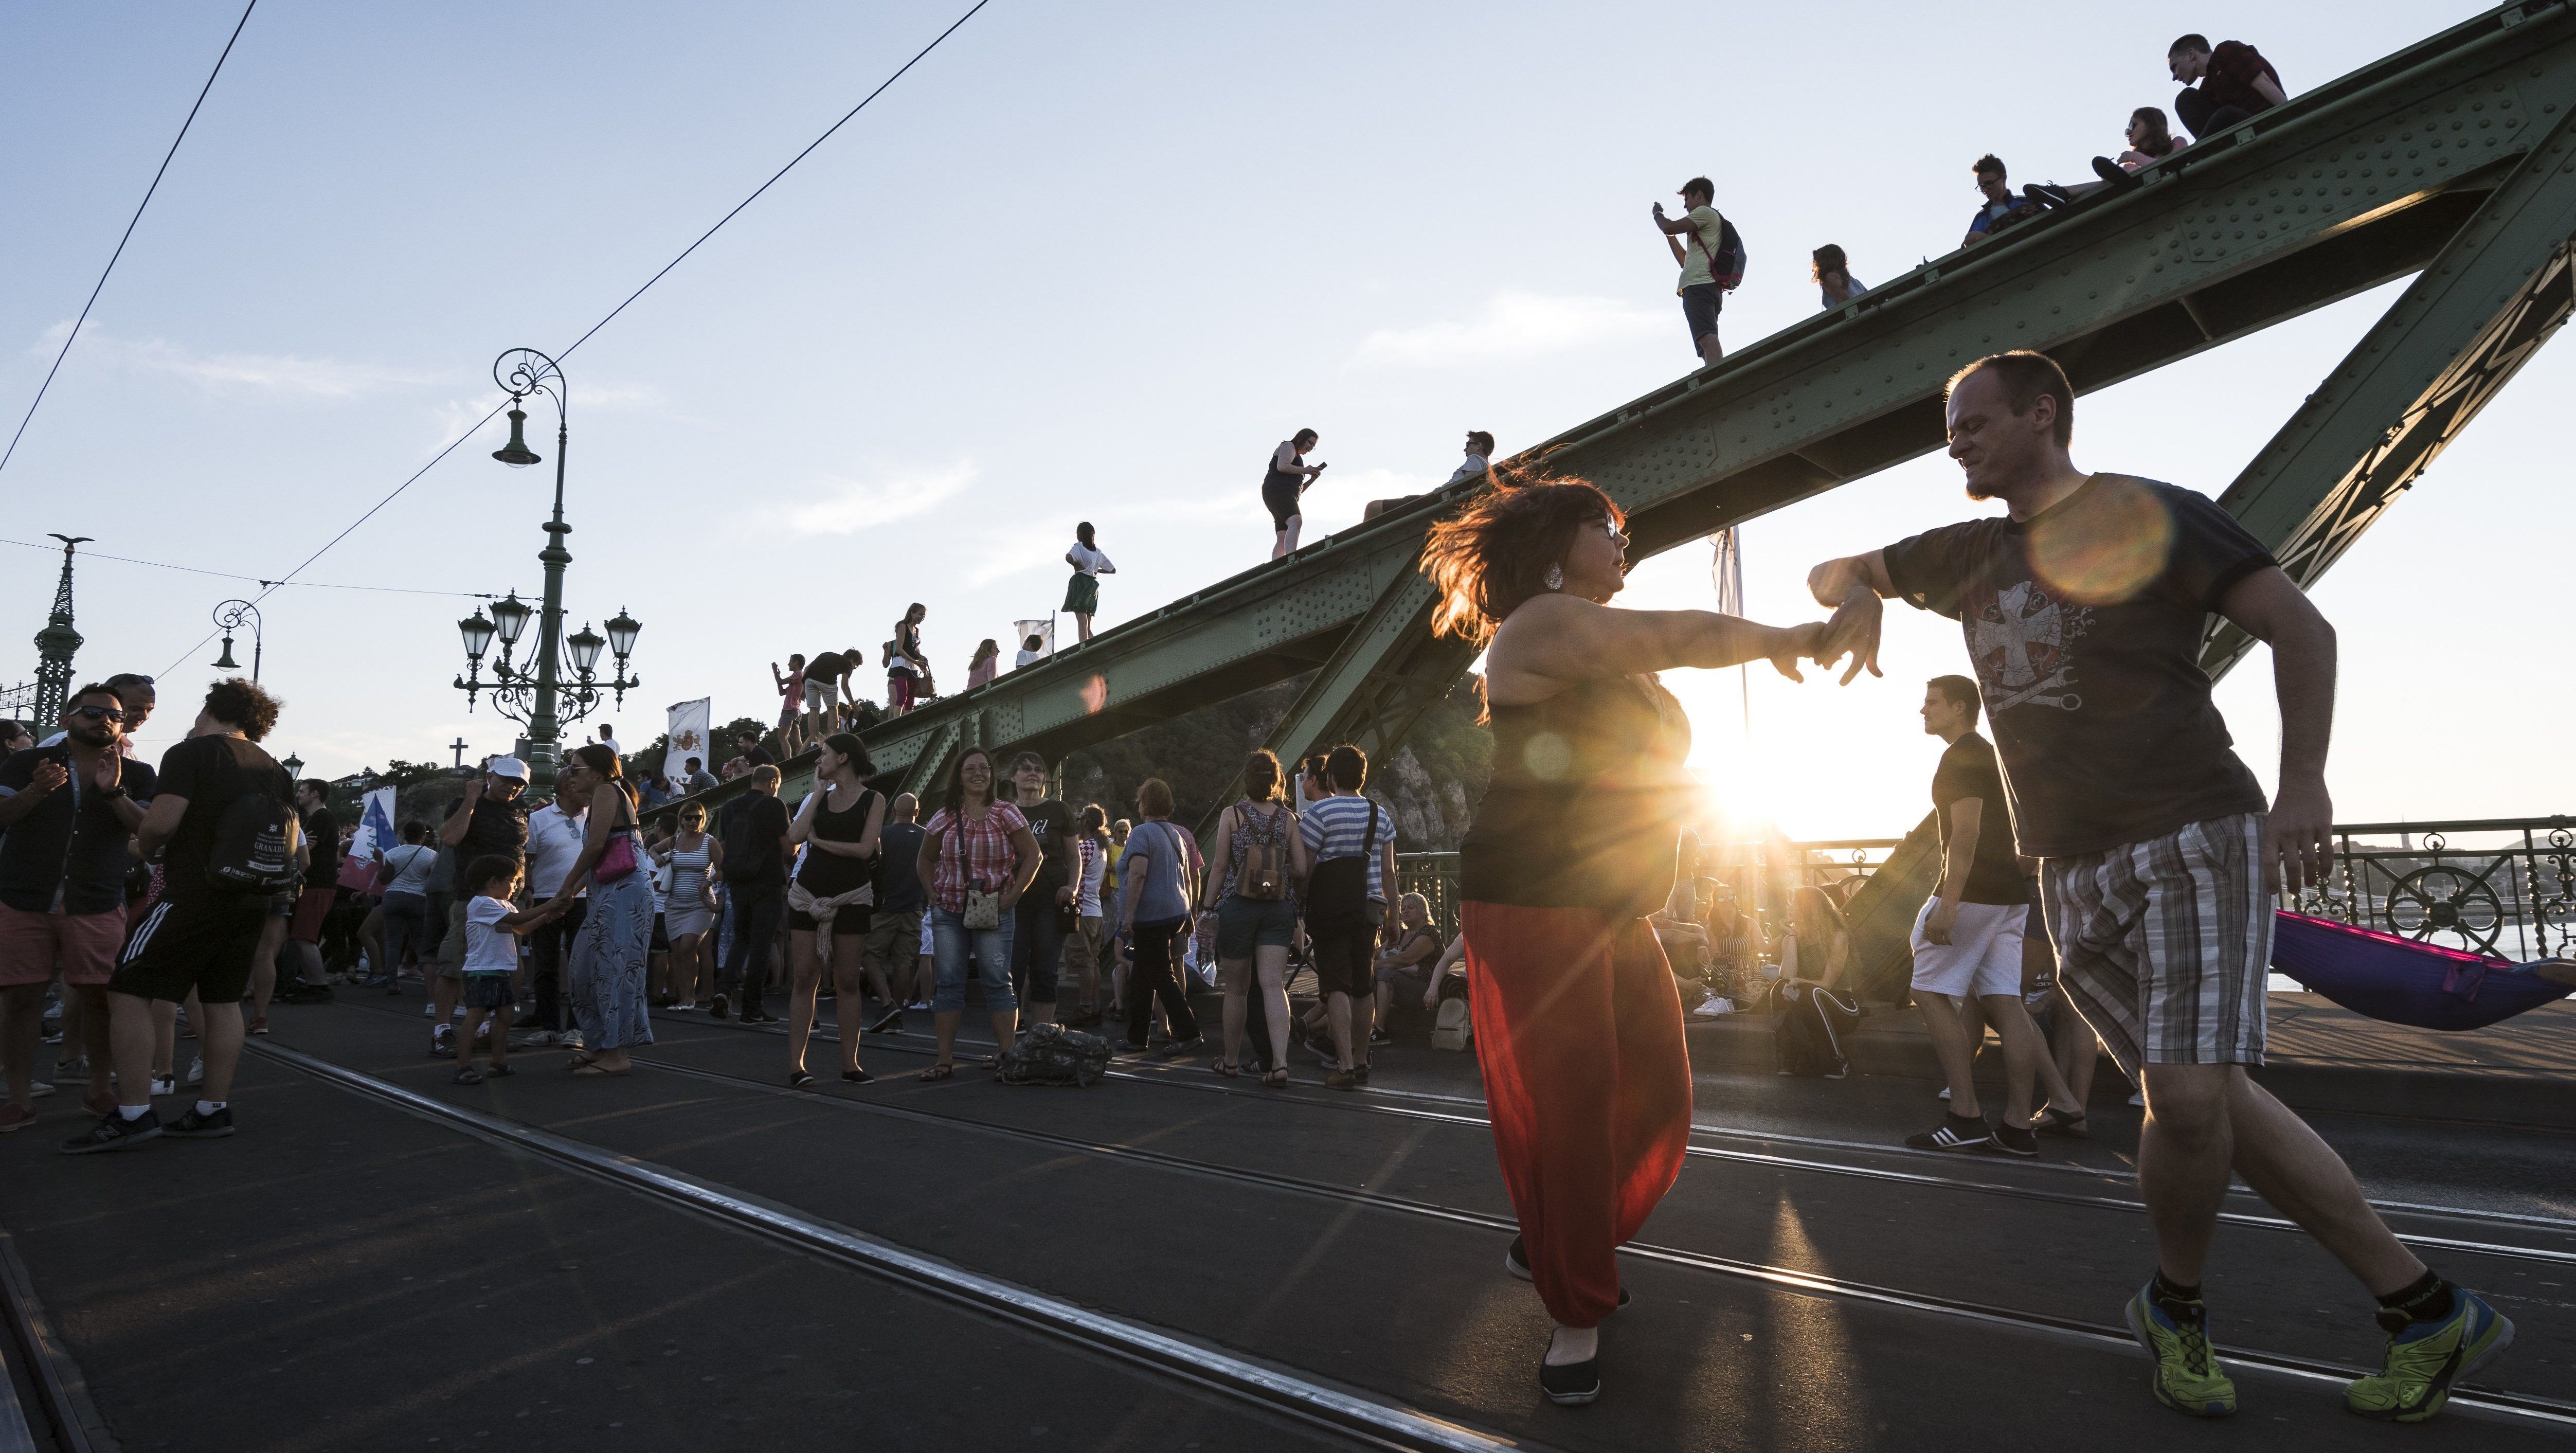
1578	1028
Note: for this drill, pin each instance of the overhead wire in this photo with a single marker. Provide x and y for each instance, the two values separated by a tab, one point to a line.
469	433
254	579
74	335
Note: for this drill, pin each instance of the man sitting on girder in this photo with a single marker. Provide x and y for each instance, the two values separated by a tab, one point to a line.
2002	207
2083	609
2235	83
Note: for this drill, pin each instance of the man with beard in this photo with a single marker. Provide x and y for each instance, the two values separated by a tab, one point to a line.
64	832
2084	608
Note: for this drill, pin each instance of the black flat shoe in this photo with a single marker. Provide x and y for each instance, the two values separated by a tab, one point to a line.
857	1077
891	1020
1570	1384
798	1079
2121	178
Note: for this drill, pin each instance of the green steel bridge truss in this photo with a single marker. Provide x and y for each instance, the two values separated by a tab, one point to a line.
2453	160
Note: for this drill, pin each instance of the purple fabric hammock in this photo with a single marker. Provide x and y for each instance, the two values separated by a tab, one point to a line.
2402	981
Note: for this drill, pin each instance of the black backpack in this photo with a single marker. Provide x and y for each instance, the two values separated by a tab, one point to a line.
254	846
1050	1054
1337	888
1726	269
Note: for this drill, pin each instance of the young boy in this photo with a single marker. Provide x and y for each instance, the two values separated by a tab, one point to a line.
491	964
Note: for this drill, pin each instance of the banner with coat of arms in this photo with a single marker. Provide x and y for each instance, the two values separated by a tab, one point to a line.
691	722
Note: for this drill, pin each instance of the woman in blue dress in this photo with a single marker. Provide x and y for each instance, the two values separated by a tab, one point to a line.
607	972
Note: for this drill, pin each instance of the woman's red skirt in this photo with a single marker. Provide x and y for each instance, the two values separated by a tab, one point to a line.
1587	1079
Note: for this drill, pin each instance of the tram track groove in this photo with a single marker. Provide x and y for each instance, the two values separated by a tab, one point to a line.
1172	1079
719	1205
63	1414
1272	1387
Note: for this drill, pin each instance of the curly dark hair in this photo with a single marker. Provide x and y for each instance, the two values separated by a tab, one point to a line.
239	702
1492	555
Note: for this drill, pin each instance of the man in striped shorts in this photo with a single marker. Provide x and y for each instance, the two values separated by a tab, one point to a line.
2083	609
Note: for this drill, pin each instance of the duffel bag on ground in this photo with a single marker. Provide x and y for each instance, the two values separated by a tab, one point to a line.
1050	1054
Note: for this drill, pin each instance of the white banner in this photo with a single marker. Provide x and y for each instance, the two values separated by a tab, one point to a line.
690	724
1044	631
375	825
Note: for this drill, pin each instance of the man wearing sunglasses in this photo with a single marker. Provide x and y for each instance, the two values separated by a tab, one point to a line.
64	830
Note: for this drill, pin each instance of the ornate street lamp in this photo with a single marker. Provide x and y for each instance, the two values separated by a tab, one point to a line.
533	690
229	618
294	766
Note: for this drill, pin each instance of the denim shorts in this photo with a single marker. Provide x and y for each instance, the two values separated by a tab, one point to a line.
1243	924
951	941
1700	304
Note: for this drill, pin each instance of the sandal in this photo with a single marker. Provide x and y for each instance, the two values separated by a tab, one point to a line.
940	1072
578	1058
2053	1121
798	1079
1227	1070
496	1072
593	1071
465	1077
1275	1080
857	1076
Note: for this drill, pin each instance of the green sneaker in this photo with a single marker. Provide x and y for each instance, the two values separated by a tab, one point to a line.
2425	1358
2187	1378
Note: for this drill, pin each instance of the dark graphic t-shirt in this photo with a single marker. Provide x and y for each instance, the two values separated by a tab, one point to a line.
751	827
2085	625
1968	770
1049	822
322	841
211	773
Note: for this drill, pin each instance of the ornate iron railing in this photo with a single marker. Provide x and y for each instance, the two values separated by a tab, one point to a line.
2503	886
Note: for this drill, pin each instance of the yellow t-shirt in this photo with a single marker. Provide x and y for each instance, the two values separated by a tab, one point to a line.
1700	247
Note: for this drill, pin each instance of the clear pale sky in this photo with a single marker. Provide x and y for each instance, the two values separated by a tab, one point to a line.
1088	262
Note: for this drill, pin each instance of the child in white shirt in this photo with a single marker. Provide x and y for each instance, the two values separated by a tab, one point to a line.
491	964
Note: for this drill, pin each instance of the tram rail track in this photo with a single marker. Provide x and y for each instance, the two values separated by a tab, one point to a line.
1367	1419
56	1415
1167	1354
1371	1104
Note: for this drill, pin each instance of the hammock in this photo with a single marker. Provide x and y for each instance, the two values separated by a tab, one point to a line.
2405	982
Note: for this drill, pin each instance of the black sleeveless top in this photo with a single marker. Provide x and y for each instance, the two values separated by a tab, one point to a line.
827	875
1586	803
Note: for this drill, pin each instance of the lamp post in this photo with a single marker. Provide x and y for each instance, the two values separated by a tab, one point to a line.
535	693
229	618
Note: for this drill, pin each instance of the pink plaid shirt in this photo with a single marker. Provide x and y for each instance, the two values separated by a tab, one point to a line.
987	857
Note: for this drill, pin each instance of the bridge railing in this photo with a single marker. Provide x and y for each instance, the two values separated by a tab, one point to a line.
2501	886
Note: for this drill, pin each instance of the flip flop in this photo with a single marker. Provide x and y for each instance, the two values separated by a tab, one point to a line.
940	1072
592	1071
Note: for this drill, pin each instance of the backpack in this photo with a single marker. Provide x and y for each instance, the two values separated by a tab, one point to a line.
254	846
1726	269
1807	1029
1050	1054
1453	1028
1337	888
1261	876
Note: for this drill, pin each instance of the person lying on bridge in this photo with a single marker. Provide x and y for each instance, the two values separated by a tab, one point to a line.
2235	83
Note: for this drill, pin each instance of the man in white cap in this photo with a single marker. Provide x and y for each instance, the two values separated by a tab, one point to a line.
490	818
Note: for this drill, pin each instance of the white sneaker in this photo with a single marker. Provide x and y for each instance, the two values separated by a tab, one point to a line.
38	1089
1945	1092
164	1085
429	1011
197	1071
2138	1099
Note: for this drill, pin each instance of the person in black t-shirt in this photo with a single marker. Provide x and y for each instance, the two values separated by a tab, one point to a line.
202	934
753	828
1037	936
1968	939
2084	609
321	878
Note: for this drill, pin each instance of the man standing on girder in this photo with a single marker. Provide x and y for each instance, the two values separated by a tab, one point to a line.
2084	608
1700	290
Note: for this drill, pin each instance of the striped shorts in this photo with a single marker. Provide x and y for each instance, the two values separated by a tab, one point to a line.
2163	946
